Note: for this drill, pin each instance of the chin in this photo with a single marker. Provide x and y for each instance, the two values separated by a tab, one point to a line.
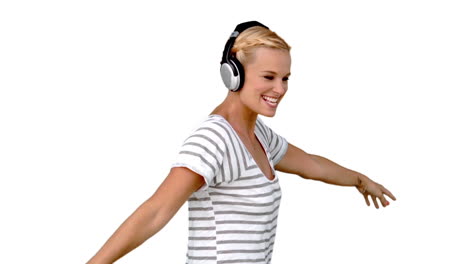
268	114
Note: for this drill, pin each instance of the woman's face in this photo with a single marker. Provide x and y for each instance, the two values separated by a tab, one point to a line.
266	80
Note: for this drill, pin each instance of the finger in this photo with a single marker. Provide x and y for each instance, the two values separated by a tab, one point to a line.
375	202
366	196
388	193
383	201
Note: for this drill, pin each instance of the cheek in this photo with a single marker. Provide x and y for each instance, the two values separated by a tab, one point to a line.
263	85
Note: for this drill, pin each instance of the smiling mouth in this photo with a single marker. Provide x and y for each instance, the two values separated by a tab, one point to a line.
272	101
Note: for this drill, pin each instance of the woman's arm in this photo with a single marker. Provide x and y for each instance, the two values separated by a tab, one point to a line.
151	216
315	167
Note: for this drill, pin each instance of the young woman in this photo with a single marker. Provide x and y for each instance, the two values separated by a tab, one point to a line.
226	168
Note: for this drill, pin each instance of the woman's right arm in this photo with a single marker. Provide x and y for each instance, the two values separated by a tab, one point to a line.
151	216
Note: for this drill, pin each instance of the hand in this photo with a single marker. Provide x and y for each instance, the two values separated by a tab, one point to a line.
367	188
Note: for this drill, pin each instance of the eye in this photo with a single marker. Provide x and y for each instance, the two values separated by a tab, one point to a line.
285	79
268	77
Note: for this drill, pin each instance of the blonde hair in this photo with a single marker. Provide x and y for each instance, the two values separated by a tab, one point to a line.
254	37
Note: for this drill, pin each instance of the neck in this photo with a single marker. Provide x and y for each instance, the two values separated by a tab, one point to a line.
240	117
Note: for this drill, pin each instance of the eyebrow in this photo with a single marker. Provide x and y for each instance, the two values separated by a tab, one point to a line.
274	73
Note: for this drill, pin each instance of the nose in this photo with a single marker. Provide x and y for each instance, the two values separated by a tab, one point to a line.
280	87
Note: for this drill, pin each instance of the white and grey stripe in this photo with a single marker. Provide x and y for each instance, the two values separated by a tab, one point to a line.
233	218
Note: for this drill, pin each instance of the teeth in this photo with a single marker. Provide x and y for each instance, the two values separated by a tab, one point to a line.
270	99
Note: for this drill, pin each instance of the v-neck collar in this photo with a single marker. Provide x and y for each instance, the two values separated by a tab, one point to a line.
262	144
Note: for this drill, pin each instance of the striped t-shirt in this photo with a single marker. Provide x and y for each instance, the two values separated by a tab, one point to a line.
232	218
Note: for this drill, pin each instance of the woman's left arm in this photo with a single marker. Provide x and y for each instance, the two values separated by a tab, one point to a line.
315	167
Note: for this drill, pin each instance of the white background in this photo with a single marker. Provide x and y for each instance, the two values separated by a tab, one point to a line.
97	96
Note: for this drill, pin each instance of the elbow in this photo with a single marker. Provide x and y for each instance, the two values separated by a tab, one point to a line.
157	216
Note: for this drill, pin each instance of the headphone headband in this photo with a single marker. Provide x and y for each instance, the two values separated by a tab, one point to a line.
239	29
243	26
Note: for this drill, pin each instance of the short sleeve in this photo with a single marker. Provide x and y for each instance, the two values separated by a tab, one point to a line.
277	145
202	152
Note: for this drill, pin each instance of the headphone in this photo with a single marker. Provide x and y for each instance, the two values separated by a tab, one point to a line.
232	71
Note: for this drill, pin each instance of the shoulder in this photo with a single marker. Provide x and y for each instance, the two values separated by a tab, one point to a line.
277	145
265	131
213	130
